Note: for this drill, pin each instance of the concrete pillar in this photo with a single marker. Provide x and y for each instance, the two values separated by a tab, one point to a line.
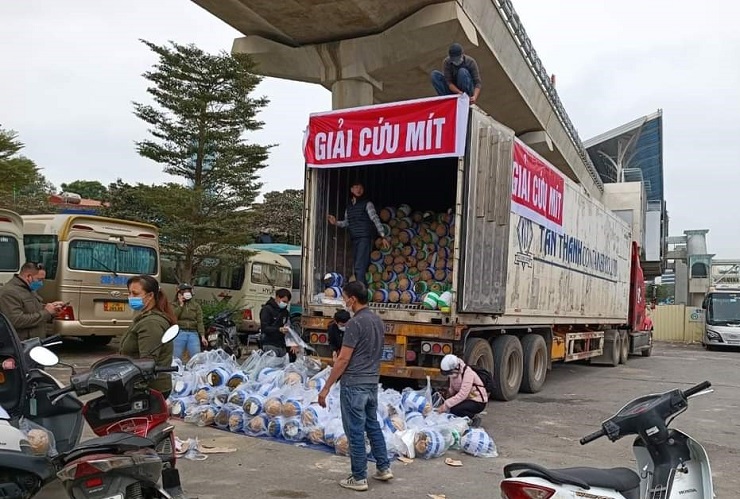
351	93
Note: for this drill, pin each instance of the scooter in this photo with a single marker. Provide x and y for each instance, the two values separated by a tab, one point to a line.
224	335
136	443
23	394
670	464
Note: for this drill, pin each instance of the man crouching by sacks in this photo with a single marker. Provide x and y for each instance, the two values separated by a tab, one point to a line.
467	393
358	365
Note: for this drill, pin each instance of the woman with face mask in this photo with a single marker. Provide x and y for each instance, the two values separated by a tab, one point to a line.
190	319
467	393
336	332
154	316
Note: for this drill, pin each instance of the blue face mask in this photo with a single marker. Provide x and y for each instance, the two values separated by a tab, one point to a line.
136	302
36	285
282	304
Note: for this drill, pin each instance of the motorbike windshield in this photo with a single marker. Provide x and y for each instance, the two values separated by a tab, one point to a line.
723	309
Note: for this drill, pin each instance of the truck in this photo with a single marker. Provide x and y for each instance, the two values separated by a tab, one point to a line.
496	255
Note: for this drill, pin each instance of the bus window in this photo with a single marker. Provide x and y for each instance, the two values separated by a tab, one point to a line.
99	256
264	273
43	249
223	277
10	258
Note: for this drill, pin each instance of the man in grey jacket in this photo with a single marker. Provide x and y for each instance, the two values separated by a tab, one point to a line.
461	75
23	307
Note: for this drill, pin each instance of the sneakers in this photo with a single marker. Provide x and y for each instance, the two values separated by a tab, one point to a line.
383	475
352	484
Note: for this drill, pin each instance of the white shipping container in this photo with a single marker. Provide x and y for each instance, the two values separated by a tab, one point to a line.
523	266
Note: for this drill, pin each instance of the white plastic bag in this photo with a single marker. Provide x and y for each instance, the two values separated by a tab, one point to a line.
478	443
41	441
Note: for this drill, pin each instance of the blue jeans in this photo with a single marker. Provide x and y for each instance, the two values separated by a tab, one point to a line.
186	340
361	249
464	82
359	415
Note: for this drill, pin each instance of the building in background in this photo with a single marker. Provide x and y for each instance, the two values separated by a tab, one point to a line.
633	153
68	202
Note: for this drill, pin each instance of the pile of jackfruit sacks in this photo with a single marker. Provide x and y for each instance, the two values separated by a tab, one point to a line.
266	396
416	269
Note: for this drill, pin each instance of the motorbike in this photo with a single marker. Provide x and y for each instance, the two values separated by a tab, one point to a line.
223	334
24	387
135	444
670	464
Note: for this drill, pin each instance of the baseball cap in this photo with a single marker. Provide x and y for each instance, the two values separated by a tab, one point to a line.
456	54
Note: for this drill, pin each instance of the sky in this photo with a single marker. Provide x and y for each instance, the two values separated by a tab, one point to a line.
72	69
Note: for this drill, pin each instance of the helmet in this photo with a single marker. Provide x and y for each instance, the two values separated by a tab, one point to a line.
449	363
183	286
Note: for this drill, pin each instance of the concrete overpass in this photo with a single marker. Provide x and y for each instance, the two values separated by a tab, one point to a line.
372	51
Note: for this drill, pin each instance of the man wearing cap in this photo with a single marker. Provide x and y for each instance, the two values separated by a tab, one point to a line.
461	75
361	220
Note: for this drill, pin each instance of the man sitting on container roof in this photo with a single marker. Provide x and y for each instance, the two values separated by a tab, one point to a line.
461	75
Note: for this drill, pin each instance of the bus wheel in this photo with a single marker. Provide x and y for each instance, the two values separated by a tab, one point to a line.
535	363
97	341
508	366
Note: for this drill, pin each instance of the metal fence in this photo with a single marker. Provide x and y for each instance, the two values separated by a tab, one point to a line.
678	323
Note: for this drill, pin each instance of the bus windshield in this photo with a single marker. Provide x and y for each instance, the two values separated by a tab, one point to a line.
10	257
723	309
101	256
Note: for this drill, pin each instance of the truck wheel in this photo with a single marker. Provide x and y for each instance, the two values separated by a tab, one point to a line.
508	367
478	353
612	347
624	350
535	363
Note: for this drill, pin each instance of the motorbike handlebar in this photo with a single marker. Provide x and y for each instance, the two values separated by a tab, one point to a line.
696	389
593	436
54	394
51	339
171	369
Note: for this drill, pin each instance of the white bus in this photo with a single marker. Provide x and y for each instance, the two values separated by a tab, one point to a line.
246	287
88	260
11	245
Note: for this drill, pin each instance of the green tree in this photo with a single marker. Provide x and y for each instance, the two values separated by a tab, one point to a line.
88	189
280	215
22	186
202	111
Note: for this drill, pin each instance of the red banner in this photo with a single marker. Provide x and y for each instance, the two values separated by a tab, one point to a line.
384	133
537	188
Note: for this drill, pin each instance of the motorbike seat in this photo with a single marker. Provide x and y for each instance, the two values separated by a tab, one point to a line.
120	442
623	480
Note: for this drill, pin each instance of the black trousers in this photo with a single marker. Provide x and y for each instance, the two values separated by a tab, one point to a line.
361	248
467	408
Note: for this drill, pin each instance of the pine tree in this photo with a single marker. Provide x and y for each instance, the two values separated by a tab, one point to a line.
203	109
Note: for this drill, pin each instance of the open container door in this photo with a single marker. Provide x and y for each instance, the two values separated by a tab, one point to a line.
486	213
393	149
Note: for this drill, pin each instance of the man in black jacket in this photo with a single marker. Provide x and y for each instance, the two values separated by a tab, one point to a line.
361	219
274	320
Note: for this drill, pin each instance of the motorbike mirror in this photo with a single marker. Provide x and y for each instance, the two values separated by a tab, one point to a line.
43	356
170	334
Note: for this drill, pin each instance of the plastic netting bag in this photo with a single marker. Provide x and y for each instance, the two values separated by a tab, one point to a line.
418	400
254	404
223	415
256	426
236	420
183	384
430	443
478	443
41	441
179	406
318	381
292	430
237	379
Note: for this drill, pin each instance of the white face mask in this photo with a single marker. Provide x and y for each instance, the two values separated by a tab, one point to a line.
342	328
187	296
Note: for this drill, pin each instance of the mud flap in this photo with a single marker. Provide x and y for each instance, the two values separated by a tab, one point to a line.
612	342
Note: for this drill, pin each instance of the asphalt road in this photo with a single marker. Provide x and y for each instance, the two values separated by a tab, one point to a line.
542	428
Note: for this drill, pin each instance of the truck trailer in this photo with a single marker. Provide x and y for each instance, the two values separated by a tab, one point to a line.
496	255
